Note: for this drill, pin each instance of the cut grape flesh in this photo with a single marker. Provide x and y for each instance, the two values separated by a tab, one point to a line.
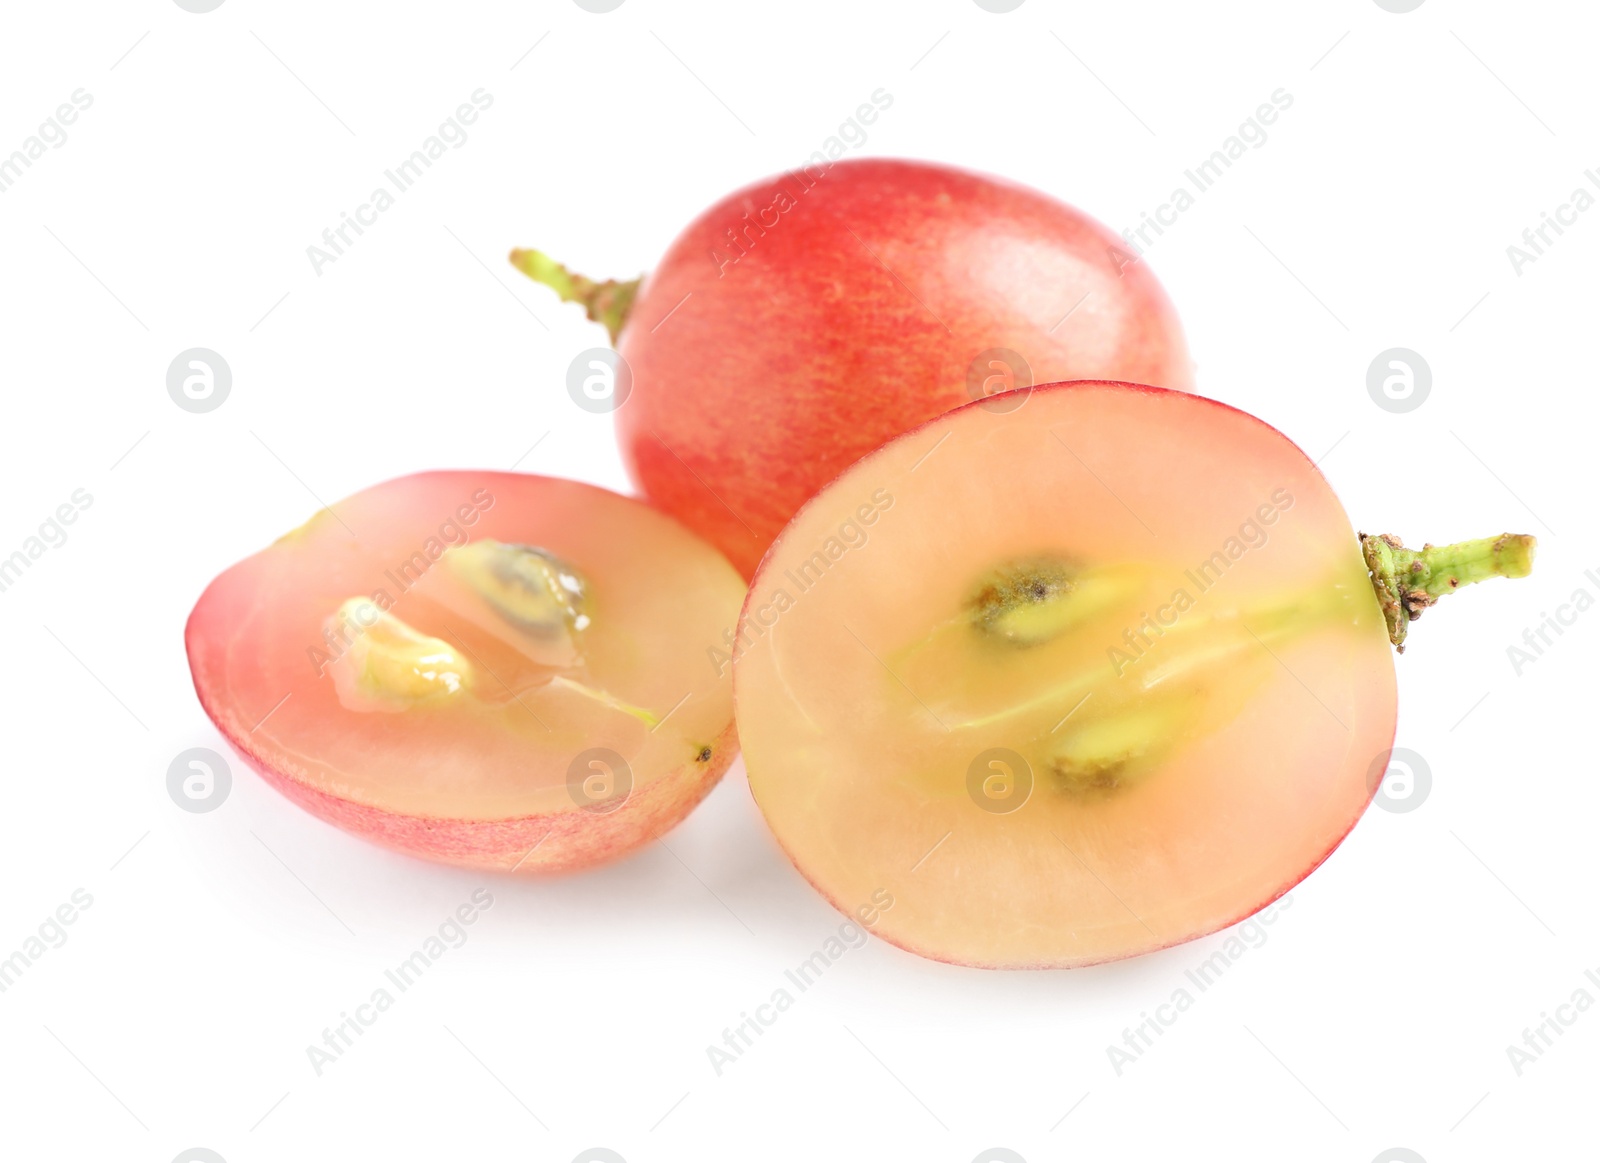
491	669
1068	681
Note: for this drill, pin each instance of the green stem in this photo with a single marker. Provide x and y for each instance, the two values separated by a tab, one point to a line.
606	303
1408	581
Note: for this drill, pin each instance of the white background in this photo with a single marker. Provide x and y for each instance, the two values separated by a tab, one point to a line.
219	946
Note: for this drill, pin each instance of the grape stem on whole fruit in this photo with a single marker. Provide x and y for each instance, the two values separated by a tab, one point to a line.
607	303
1408	581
